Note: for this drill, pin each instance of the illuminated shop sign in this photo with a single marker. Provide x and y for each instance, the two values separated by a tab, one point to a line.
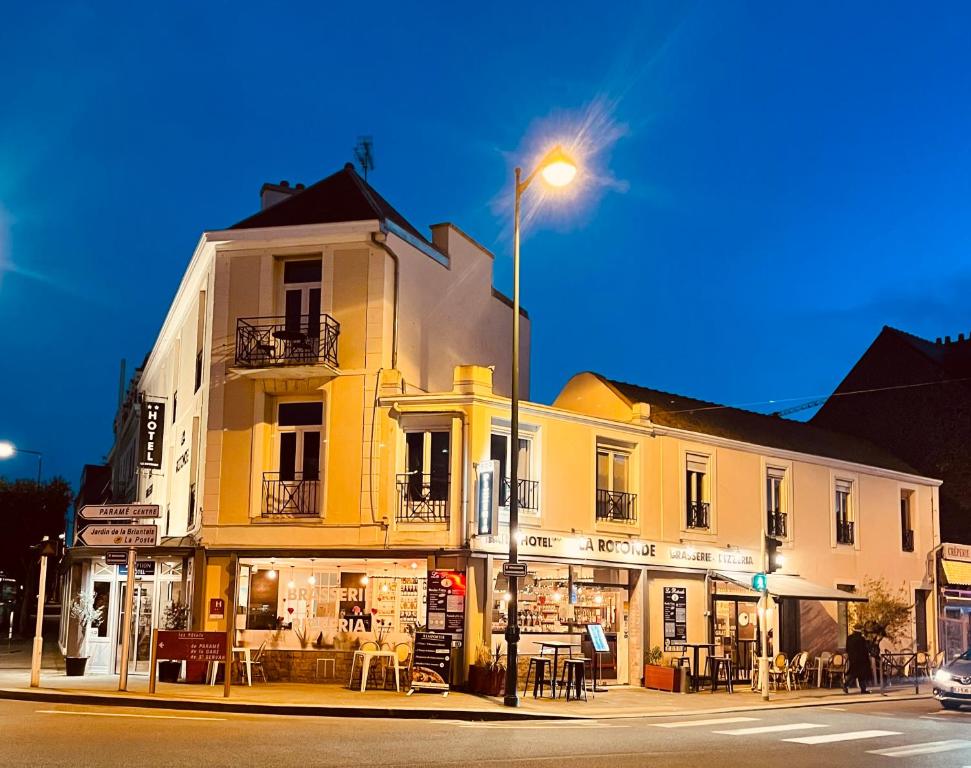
151	430
612	549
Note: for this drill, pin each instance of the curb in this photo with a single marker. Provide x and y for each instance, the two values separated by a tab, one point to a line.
496	715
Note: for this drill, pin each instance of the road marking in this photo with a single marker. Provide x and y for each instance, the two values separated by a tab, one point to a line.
541	726
120	714
922	749
712	721
847	736
770	729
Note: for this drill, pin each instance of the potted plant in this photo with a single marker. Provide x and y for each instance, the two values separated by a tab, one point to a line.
87	616
487	674
175	616
656	675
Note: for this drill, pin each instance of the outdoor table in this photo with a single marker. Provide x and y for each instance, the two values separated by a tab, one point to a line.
365	657
820	670
245	652
694	669
556	645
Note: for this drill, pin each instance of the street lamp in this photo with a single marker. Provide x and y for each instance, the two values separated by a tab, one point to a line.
557	169
7	450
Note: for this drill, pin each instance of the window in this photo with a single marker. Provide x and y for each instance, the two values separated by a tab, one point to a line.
906	521
842	615
301	296
191	516
292	489
198	377
776	522
423	488
843	505
175	404
615	501
696	490
528	487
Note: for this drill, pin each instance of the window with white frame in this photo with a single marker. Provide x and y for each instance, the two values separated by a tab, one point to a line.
616	501
843	507
776	523
293	488
499	450
423	487
906	521
696	491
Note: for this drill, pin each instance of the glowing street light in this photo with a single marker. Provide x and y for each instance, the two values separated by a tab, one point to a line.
557	169
7	450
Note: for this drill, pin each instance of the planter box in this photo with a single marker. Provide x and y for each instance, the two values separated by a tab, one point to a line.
74	665
486	681
168	671
661	678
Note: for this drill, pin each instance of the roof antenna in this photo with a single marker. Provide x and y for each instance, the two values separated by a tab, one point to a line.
364	152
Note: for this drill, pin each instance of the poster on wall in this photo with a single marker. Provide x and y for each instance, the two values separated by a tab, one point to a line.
675	617
352	608
264	592
446	602
432	666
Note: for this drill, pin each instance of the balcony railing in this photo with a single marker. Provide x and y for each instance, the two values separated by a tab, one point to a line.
616	506
698	514
292	497
907	541
263	342
776	524
844	531
422	498
528	494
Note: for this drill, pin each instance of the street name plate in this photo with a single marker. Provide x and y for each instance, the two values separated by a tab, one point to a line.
119	536
514	569
119	511
116	558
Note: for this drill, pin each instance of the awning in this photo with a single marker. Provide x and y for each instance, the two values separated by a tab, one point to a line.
780	585
957	572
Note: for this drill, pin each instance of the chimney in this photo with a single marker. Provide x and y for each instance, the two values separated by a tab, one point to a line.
271	194
947	339
937	340
960	337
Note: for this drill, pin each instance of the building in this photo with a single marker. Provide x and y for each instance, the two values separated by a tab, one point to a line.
330	386
912	397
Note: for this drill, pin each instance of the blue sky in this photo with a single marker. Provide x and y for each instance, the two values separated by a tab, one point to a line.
767	185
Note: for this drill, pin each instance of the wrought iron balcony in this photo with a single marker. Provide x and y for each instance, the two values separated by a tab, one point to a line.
291	497
776	523
528	494
263	342
844	531
907	541
698	514
422	498
616	506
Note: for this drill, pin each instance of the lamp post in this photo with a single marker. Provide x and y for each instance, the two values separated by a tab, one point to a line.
557	170
7	450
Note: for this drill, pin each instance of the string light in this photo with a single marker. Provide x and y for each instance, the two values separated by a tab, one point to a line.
312	579
291	584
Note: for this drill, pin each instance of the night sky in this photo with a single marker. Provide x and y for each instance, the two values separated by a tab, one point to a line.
766	184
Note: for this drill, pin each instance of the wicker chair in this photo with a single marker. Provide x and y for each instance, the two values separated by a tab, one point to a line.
836	668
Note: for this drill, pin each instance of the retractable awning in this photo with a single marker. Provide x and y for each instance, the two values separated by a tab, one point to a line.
957	573
780	585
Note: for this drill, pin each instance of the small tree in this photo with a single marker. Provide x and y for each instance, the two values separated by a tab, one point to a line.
83	610
886	614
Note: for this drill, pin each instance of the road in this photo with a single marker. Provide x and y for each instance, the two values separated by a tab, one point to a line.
881	733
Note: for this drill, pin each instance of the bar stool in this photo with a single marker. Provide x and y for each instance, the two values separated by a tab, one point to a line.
328	663
714	666
574	676
542	665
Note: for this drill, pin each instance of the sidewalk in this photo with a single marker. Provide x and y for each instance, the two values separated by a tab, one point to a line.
335	700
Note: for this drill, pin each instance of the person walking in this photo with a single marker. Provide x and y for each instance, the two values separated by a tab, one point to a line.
858	660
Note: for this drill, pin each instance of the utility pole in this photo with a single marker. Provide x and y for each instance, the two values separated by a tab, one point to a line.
47	548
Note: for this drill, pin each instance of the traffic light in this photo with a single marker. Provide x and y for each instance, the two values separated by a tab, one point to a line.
772	557
758	582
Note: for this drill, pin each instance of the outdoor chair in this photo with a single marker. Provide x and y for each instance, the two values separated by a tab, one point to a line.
798	670
403	652
836	668
779	671
256	663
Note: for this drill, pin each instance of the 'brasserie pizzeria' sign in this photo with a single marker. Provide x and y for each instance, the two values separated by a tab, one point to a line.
614	549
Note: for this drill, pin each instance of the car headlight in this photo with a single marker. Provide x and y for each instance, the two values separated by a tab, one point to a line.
941	676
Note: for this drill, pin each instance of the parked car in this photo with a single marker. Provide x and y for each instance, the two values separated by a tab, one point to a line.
952	682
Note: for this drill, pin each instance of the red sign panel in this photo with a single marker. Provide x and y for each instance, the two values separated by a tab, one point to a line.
176	645
217	607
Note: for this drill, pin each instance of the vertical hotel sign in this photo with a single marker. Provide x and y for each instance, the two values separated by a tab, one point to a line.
150	435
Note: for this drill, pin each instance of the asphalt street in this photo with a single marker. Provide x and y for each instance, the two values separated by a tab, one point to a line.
881	733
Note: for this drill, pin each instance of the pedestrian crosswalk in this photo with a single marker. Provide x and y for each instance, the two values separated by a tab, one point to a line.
822	733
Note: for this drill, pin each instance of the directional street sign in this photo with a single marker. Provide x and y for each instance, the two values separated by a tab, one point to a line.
119	536
514	569
119	511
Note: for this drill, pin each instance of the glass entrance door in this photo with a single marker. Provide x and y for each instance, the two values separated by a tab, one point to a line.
736	622
143	606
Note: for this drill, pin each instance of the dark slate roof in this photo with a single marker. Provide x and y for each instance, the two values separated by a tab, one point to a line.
694	415
953	356
342	196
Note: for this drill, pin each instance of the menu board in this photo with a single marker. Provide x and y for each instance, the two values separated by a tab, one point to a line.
446	602
675	617
598	638
432	665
